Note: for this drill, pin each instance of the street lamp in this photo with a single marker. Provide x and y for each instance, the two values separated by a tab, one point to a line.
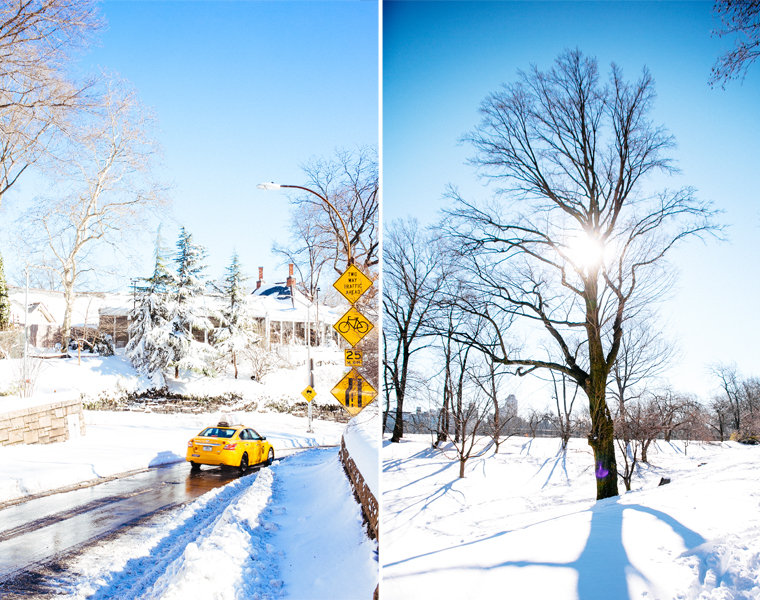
277	186
310	373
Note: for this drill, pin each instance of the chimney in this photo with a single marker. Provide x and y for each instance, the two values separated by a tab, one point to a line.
261	277
291	280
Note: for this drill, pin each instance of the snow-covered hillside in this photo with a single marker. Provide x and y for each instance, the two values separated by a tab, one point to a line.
524	524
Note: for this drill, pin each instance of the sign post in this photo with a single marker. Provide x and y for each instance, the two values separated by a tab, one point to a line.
353	392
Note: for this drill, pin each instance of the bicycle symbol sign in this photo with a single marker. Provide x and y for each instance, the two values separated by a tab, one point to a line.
354	392
353	326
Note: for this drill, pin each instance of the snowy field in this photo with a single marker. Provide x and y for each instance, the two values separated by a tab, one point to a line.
524	524
293	530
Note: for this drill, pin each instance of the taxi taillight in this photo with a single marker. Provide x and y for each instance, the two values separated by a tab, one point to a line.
190	443
230	446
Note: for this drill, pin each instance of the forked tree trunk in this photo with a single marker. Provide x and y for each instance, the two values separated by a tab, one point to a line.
602	441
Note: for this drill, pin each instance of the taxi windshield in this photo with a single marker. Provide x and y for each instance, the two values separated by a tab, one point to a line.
217	432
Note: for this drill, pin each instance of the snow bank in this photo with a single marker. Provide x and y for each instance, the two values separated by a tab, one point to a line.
320	530
362	438
231	557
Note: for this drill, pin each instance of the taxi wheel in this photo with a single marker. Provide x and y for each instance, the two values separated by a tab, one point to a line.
244	462
270	457
194	467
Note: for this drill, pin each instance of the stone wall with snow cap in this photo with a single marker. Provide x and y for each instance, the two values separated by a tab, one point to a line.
44	419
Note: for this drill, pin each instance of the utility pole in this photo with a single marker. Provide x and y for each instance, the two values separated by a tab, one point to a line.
26	339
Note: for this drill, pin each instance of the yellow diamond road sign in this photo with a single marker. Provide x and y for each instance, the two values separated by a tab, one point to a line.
354	392
353	326
352	284
309	393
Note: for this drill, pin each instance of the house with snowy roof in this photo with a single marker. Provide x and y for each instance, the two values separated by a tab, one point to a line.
284	314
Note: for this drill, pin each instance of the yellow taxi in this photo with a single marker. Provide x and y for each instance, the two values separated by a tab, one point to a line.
228	446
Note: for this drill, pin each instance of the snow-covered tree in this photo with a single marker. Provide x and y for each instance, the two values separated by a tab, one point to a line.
147	348
187	312
5	303
237	330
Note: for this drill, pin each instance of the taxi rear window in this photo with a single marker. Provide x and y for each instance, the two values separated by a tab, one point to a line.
217	432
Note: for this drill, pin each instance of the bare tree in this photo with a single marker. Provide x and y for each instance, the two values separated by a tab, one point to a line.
573	241
350	182
730	383
309	249
563	418
673	411
740	19
534	418
107	188
470	422
412	277
487	377
643	355
632	431
38	40
720	416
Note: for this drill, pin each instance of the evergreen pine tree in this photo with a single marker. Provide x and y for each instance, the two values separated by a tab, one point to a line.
5	302
187	315
147	348
237	327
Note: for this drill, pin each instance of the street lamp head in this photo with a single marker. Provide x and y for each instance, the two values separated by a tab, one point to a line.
269	186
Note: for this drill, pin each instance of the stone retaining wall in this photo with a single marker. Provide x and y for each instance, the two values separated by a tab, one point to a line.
361	490
43	424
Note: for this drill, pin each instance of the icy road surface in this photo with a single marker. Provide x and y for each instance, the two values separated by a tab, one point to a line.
293	530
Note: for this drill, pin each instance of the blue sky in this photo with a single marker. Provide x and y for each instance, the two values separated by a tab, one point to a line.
244	92
441	59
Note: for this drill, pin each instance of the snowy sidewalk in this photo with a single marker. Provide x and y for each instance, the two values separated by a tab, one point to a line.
291	531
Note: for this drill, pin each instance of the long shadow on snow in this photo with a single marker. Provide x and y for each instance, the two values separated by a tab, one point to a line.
399	462
603	566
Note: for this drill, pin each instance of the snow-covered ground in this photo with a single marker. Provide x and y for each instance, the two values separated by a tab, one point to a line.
524	524
293	530
111	376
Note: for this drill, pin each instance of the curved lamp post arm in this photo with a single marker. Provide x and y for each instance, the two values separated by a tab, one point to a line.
268	186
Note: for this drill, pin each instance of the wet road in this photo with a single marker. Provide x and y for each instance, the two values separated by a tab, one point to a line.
38	530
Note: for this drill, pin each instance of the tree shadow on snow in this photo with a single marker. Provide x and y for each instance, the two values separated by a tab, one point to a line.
603	566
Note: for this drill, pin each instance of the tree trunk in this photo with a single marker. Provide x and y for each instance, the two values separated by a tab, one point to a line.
400	385
462	462
644	448
602	435
602	438
69	297
234	364
176	371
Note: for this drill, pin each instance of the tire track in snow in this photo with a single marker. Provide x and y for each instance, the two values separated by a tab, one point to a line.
145	563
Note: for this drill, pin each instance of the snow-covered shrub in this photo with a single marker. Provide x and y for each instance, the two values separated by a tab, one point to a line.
261	361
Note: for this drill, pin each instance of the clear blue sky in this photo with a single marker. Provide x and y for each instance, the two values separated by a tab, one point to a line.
441	59
245	92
